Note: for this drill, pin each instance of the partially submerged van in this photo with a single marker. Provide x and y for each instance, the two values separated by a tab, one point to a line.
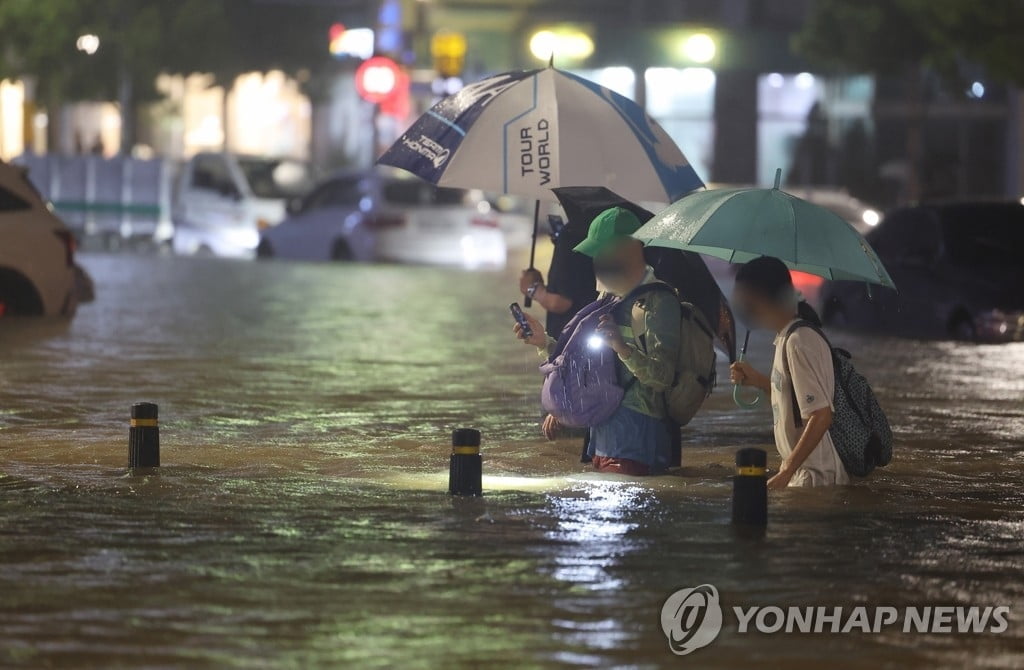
224	200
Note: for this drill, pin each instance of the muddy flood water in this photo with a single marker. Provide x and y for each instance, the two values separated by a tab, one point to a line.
300	519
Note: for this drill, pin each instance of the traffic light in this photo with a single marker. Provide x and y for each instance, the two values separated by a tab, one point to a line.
448	50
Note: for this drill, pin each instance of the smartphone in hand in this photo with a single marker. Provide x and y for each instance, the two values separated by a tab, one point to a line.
557	226
517	314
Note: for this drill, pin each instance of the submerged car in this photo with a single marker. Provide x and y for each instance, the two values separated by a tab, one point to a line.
958	270
38	276
387	216
224	200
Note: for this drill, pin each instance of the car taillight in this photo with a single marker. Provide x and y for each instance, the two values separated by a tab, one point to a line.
386	221
482	222
70	244
803	279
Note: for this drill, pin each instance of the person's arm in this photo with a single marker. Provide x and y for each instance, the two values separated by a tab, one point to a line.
815	427
539	338
652	359
745	374
813	377
552	302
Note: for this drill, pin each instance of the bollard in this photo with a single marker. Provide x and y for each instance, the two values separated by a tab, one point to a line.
144	437
465	469
750	488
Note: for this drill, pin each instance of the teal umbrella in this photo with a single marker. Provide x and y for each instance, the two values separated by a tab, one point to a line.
741	224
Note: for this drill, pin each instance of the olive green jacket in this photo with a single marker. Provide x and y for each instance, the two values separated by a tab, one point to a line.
649	322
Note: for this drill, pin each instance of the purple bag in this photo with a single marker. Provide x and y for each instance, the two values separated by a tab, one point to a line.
580	382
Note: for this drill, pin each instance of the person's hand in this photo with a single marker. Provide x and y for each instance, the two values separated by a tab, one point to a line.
550	427
744	374
780	479
528	279
538	339
741	373
609	331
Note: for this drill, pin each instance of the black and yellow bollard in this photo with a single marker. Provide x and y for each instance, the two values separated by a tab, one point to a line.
750	488
465	469
144	436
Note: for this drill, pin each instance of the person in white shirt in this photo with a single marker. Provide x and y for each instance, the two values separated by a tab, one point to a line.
764	294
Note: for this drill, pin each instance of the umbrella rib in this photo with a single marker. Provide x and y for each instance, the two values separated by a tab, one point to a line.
504	132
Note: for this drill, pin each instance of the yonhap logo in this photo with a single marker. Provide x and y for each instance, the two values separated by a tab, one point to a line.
691	618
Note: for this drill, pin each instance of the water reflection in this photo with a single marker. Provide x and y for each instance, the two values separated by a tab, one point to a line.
300	518
593	524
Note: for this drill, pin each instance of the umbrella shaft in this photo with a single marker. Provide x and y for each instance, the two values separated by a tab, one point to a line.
533	244
536	224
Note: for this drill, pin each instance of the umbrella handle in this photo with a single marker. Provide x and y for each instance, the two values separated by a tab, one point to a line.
528	301
737	394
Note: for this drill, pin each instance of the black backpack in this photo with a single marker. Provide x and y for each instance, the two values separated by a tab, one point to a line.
860	431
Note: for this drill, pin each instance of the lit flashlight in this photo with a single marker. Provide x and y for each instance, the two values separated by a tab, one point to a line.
595	341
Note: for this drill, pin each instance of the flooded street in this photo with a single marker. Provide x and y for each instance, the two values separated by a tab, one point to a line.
300	518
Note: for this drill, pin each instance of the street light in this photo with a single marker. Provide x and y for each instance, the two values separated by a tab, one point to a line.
87	43
700	48
568	44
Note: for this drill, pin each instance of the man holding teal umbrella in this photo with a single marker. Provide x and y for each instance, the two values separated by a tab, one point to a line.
773	232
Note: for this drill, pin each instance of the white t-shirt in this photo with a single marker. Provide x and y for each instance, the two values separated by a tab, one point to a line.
810	364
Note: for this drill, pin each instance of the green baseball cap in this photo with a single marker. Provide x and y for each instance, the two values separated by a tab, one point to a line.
609	227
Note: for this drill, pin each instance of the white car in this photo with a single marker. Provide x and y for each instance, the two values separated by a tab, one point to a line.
38	276
224	200
388	216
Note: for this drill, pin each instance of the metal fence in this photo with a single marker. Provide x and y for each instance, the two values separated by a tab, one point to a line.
119	197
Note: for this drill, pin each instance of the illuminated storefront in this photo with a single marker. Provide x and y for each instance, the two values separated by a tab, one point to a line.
263	114
12	119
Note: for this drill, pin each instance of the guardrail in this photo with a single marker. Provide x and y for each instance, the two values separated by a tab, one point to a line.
127	198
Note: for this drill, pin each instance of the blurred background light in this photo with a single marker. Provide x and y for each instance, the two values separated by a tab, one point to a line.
700	48
805	80
88	43
564	43
353	42
697	79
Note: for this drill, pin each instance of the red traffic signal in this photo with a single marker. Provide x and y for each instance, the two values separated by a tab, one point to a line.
378	79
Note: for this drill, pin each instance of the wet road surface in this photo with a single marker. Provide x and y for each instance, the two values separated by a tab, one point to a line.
300	520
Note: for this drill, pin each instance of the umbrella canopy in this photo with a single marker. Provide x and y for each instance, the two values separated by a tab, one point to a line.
739	225
683	270
524	133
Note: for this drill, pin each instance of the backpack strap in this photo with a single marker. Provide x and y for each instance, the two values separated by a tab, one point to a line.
802	323
632	298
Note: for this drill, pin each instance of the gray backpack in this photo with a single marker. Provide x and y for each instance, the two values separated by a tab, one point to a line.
860	430
695	361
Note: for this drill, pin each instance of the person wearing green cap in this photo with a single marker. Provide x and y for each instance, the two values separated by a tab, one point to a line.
643	330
